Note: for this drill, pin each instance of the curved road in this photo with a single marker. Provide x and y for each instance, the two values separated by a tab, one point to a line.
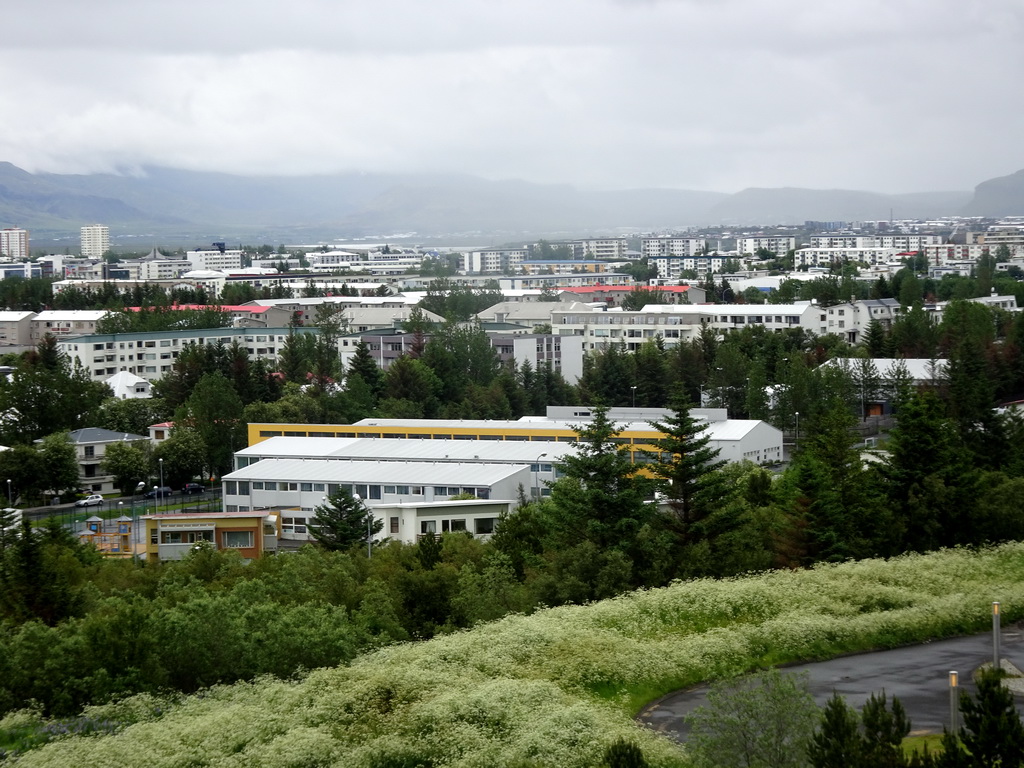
918	675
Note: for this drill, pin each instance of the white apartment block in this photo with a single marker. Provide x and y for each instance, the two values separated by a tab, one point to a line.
151	355
607	248
95	241
659	247
63	323
677	323
14	244
780	246
947	253
999	235
673	267
903	243
494	260
823	257
217	259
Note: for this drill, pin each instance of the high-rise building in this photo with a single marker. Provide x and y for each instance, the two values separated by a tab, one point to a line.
95	241
14	243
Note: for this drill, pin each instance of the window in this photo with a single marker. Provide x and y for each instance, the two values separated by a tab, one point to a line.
270	485
428	526
237	539
306	487
230	487
243	487
484	525
393	524
185	537
90	451
257	485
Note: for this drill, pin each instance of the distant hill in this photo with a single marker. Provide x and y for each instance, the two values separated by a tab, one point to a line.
1003	196
794	206
170	204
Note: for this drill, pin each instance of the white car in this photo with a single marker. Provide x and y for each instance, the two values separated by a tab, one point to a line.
90	501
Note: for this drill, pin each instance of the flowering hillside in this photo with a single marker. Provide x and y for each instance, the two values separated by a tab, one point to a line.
555	688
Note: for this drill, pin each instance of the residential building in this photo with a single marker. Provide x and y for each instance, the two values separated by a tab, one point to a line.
494	260
612	295
151	355
567	280
780	246
823	257
252	534
218	258
95	241
14	244
128	386
909	243
606	248
64	323
15	328
667	247
91	446
561	267
678	323
674	268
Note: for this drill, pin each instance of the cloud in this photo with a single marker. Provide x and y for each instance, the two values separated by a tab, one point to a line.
685	93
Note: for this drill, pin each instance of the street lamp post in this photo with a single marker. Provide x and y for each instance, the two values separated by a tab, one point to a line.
10	499
634	395
369	522
536	475
798	426
160	461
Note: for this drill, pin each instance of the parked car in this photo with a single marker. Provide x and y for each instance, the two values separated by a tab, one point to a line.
162	492
90	501
190	488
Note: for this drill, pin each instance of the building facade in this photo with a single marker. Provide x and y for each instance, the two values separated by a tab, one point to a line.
14	243
95	240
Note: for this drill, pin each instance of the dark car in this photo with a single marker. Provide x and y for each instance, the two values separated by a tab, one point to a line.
161	492
190	488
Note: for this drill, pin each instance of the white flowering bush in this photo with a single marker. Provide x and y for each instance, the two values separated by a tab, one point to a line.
557	687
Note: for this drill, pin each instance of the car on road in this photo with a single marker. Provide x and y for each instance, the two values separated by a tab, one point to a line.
162	492
190	488
90	501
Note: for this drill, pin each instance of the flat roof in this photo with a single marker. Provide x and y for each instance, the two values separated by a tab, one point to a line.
380	448
377	472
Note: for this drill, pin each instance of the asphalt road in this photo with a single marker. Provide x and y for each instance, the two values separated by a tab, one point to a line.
918	675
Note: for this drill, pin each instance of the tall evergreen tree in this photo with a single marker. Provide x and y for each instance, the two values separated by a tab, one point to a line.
686	471
343	521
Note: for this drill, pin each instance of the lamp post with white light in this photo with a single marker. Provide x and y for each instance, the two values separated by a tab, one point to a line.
536	476
10	499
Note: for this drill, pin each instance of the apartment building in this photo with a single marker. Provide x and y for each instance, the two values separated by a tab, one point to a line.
677	323
14	243
608	248
15	328
494	260
151	355
779	245
900	242
64	322
674	268
554	282
823	257
95	241
217	258
666	247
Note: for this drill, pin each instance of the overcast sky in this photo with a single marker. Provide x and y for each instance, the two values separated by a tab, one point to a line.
886	95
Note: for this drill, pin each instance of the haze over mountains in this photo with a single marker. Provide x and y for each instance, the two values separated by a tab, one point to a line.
185	204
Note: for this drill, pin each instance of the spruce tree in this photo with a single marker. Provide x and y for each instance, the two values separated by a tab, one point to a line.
687	471
343	521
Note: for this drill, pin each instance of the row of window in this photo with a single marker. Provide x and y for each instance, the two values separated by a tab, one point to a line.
229	539
364	491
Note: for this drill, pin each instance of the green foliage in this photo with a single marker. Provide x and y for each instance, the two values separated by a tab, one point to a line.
129	463
764	720
598	498
343	521
875	742
163	318
992	733
214	412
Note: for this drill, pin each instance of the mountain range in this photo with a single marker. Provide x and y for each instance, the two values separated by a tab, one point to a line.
175	205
